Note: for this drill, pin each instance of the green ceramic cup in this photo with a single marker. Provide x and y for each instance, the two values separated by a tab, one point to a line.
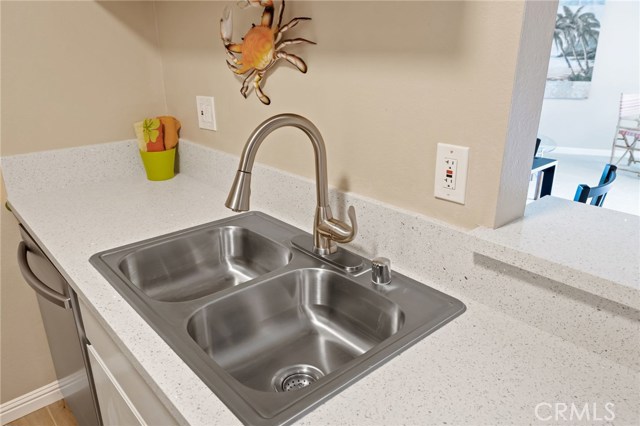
159	165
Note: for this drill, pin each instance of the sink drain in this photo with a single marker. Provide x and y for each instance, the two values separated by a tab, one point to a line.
297	381
295	377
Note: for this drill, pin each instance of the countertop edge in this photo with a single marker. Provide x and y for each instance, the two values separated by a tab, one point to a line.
598	286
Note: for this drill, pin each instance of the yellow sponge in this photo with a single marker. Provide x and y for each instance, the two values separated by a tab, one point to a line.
137	127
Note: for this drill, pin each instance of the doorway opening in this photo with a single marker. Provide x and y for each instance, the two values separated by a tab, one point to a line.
595	58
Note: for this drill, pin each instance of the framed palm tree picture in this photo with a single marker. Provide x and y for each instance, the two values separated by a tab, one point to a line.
573	52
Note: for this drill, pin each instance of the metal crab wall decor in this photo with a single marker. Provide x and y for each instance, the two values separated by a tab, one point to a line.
261	46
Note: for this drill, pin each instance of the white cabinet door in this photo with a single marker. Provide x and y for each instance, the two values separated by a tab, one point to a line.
131	383
115	407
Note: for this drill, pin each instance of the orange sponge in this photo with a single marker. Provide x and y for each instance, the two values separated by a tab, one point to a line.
170	125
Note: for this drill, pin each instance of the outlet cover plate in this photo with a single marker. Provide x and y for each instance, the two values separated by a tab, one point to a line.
452	163
206	112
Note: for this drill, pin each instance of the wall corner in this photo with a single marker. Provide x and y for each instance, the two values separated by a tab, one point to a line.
526	105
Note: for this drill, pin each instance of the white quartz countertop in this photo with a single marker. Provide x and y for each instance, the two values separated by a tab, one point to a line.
591	248
485	367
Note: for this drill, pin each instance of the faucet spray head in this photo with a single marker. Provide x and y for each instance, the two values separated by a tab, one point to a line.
238	199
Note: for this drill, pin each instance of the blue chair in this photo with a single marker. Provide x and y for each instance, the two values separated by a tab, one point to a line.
597	193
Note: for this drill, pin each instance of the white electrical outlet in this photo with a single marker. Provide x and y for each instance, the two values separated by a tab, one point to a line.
206	112
452	162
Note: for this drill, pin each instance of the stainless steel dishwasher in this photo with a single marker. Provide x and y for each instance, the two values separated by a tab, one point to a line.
65	333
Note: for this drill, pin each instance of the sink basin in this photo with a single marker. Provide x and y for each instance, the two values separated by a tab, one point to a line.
271	329
202	263
308	320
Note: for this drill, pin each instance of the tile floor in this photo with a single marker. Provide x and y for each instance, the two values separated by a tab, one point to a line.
56	414
573	170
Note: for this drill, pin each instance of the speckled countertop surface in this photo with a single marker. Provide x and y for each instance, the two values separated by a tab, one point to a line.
486	367
601	247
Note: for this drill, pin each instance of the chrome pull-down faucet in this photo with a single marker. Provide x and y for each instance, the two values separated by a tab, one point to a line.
326	229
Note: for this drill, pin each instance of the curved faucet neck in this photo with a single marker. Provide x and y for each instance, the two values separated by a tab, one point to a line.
326	229
291	120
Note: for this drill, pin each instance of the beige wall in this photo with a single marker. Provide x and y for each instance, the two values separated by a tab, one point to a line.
386	82
77	73
72	73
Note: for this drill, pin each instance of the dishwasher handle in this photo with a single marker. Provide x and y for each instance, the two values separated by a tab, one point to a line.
35	283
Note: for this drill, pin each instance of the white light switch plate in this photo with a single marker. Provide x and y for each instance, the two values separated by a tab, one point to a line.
206	112
452	162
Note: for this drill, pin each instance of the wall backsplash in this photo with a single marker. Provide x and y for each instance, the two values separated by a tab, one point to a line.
386	82
80	73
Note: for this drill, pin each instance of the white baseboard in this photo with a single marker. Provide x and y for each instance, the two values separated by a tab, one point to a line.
580	151
30	402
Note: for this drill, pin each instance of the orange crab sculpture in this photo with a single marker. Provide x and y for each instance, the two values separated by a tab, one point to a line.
261	46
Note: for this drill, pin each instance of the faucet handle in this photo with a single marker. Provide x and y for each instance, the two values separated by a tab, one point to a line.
338	231
351	212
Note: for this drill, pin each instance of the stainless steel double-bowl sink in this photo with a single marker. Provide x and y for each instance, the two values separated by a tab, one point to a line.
272	330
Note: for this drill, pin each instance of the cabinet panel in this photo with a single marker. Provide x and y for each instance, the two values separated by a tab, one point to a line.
115	407
151	409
